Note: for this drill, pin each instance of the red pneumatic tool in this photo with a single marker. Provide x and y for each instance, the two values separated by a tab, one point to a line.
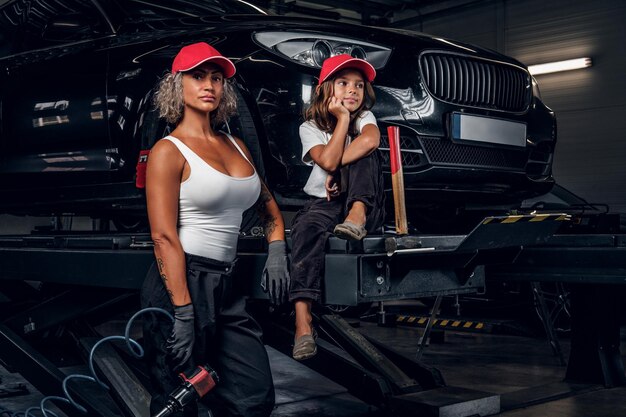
194	387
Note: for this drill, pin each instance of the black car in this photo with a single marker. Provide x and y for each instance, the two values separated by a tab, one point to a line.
77	78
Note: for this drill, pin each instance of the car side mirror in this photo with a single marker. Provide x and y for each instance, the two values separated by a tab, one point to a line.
65	28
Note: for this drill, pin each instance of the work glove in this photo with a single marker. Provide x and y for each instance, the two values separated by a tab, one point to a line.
275	277
180	342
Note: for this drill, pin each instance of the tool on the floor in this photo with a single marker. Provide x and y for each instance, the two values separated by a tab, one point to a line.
193	387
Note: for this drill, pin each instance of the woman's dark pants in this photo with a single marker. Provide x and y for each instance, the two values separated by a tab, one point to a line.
315	222
227	339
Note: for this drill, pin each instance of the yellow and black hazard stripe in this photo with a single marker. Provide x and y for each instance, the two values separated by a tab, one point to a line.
445	324
527	218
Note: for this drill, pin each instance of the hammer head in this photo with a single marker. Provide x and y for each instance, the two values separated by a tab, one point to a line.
395	243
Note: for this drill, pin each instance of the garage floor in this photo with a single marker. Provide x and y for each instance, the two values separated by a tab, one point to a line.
520	368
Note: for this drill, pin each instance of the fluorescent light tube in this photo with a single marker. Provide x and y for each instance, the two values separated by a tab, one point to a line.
570	64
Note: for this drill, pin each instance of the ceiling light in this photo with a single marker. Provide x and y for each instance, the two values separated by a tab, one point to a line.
570	64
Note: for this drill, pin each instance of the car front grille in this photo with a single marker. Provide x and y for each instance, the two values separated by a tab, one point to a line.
446	152
409	149
475	82
418	151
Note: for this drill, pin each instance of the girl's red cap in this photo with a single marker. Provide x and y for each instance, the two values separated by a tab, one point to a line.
191	56
340	62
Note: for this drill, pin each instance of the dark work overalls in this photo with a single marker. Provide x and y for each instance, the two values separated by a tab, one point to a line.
227	339
315	222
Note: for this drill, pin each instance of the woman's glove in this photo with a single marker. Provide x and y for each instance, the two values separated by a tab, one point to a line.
180	342
275	278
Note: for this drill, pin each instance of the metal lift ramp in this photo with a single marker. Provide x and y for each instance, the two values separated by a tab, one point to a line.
418	266
390	268
594	267
400	267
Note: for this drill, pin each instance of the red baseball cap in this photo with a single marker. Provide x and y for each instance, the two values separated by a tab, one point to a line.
191	56
340	62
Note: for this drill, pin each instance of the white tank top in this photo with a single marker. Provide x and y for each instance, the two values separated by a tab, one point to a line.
210	206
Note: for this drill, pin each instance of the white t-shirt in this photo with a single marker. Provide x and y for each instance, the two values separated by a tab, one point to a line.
311	136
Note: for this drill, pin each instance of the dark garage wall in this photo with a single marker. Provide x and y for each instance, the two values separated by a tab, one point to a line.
590	103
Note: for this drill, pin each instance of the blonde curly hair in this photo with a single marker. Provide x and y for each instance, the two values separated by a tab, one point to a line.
168	99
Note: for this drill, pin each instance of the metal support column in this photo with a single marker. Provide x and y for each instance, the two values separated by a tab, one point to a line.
429	325
546	320
595	355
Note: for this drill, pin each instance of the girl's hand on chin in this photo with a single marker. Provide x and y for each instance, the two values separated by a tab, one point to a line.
336	107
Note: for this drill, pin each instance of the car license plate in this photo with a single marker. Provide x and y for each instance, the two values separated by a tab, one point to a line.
467	127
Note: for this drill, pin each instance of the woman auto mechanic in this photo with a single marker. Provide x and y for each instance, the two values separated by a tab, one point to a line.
198	183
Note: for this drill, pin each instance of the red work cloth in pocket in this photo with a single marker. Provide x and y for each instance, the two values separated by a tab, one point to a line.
142	163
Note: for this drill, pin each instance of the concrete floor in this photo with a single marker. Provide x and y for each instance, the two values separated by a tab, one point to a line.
519	368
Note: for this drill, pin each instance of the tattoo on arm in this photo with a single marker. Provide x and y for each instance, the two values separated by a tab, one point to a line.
269	224
267	220
161	272
164	278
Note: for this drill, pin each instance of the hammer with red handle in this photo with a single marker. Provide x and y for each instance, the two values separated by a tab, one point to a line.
397	180
401	241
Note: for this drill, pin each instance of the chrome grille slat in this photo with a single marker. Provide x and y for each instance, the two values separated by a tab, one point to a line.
440	77
489	81
500	86
456	76
446	73
484	93
509	89
477	86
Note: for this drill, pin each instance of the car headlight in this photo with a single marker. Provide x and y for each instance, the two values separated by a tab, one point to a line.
313	48
319	52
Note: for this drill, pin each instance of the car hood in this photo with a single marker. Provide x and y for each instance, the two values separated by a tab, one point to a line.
393	38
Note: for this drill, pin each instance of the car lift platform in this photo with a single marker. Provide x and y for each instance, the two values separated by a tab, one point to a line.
594	266
98	270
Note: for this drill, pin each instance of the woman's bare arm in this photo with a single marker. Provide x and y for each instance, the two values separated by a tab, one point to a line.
163	176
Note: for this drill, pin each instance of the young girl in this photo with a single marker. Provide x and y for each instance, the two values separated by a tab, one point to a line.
339	139
199	181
